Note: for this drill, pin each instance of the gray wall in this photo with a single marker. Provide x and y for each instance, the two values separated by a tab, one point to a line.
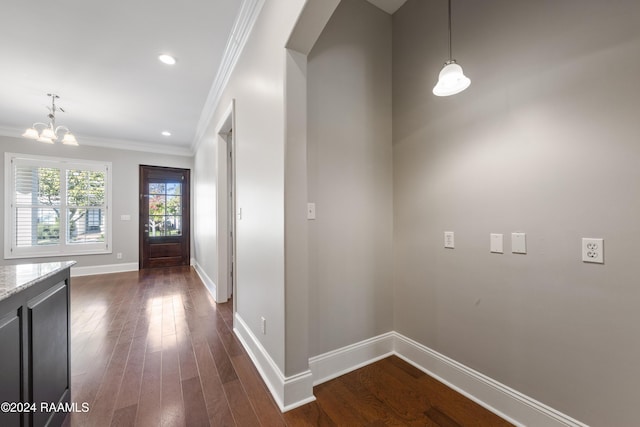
125	198
350	178
545	141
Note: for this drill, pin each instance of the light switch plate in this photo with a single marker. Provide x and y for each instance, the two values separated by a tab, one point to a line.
519	243
496	244
449	240
311	211
593	250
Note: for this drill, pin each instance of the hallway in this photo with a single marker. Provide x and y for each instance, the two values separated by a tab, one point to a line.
142	354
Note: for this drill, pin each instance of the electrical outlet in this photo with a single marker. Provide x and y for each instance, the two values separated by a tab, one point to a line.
593	250
119	255
264	325
449	242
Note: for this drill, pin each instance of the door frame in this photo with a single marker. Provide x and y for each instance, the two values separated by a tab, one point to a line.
226	208
186	210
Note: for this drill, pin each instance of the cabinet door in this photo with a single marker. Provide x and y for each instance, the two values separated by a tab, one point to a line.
10	364
48	324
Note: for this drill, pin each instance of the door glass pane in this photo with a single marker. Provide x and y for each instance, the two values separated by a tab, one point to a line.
174	189
157	205
157	188
156	226
165	209
174	205
173	225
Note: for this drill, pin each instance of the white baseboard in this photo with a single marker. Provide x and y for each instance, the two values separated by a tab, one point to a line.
504	401
208	283
335	363
498	398
103	269
288	392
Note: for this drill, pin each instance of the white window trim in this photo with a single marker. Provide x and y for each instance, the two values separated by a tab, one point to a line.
64	249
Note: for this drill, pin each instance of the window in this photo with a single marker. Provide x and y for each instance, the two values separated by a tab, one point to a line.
56	206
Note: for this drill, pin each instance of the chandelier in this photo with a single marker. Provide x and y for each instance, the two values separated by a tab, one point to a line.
49	132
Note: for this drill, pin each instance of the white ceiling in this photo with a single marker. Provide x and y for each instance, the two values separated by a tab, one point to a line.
101	58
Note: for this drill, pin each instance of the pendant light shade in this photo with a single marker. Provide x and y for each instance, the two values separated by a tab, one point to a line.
31	133
69	139
451	79
48	133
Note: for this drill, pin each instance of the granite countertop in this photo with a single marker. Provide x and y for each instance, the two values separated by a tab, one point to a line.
15	278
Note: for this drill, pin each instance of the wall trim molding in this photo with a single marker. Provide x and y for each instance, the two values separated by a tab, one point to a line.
206	280
498	398
333	364
513	406
249	11
103	269
288	392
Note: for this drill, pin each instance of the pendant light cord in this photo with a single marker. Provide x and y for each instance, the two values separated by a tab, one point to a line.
450	54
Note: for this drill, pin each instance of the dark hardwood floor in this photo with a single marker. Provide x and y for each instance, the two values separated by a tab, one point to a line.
151	348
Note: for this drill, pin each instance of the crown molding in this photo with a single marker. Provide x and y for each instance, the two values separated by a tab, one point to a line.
240	32
117	144
146	147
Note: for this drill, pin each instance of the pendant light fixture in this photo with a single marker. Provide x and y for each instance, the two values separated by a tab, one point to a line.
49	132
451	79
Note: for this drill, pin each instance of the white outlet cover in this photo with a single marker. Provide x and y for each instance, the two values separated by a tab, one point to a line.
496	243
593	250
518	243
449	240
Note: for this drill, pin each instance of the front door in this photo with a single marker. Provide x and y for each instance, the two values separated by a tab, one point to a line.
164	217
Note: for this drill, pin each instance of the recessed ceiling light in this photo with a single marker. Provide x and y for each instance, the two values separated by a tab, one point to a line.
167	59
166	133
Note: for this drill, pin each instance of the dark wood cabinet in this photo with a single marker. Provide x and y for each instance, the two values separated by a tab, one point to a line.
10	363
34	355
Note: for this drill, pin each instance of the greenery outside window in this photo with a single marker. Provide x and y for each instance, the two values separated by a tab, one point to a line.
56	206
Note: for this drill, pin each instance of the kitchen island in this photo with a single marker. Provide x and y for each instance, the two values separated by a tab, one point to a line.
35	344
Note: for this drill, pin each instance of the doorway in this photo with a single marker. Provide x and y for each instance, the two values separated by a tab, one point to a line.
227	213
164	231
